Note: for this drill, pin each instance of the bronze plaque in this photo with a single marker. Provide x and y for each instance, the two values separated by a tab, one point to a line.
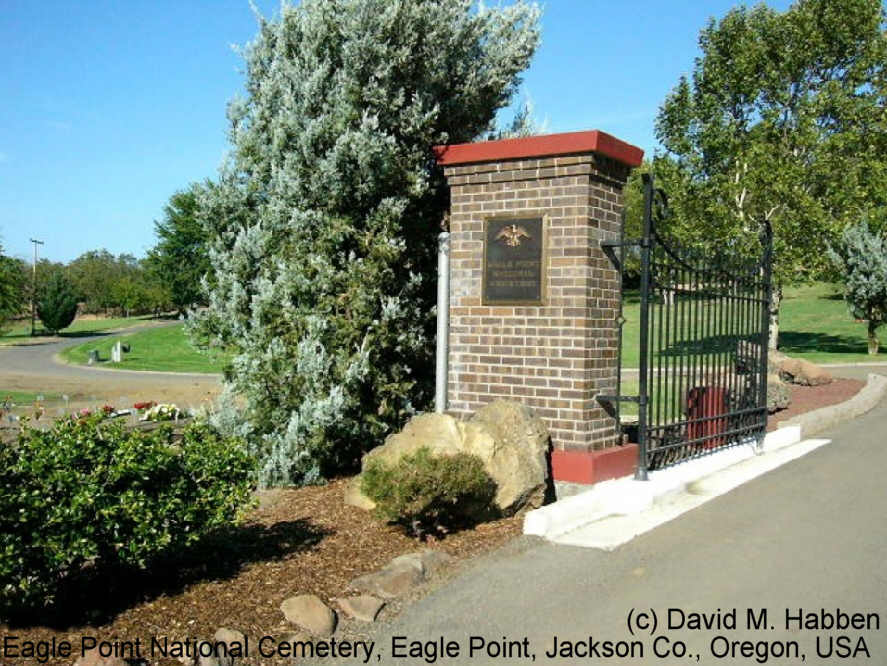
513	271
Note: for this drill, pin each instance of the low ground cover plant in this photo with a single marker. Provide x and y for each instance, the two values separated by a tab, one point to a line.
91	493
423	492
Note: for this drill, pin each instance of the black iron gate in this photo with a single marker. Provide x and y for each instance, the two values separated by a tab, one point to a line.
702	367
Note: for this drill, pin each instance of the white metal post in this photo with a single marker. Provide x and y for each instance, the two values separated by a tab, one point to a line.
443	321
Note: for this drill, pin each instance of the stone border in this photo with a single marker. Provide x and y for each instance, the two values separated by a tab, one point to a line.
825	417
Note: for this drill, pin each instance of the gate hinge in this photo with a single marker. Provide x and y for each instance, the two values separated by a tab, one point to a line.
609	248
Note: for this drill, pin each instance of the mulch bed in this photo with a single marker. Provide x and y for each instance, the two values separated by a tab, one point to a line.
298	541
808	398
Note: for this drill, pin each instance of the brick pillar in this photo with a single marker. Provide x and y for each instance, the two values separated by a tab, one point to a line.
558	355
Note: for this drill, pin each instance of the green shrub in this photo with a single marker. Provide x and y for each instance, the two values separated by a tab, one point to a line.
91	490
422	490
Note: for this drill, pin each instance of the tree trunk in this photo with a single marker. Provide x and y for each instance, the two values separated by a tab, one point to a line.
873	338
775	301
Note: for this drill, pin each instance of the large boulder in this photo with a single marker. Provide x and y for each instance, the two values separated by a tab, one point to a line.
791	370
508	438
775	359
802	372
517	461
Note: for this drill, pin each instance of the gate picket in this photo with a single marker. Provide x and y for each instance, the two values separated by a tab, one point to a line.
703	345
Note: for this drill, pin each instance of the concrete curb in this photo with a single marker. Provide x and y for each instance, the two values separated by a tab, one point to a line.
613	531
625	496
826	417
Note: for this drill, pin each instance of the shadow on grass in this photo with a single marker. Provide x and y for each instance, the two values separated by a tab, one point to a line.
97	596
793	342
83	334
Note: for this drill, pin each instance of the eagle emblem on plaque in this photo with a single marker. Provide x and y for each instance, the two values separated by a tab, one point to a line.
512	235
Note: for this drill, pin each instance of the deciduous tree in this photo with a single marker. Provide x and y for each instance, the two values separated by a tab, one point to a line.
12	288
782	120
180	259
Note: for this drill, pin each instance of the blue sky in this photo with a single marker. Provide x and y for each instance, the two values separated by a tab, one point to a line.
111	106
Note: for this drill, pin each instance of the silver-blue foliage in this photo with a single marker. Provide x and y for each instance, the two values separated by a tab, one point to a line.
323	223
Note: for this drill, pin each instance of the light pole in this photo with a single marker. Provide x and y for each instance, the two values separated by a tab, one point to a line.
34	285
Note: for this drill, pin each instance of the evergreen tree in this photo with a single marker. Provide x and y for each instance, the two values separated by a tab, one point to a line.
323	227
12	288
861	257
57	306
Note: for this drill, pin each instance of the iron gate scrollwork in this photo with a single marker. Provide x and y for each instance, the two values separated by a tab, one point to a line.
704	316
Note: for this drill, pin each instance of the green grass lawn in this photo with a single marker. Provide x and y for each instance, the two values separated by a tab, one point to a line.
164	348
814	324
21	331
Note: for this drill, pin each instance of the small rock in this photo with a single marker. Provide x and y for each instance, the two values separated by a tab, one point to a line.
427	562
310	613
408	561
93	658
389	583
364	608
234	641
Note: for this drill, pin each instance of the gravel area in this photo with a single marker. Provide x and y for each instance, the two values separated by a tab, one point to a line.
808	398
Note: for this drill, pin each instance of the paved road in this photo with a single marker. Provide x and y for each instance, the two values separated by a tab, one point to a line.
34	368
39	359
810	535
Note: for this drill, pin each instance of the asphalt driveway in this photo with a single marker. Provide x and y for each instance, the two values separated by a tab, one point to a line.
36	368
808	537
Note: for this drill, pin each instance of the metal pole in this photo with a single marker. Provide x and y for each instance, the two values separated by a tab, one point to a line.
443	321
646	240
34	285
766	288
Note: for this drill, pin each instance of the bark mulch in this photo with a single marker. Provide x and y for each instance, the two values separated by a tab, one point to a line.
298	541
808	398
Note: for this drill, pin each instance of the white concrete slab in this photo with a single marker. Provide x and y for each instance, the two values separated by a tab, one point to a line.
613	531
626	496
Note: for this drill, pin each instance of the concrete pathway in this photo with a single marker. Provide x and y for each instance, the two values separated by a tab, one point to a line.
809	535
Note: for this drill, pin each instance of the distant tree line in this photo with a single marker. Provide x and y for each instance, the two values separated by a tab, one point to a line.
168	279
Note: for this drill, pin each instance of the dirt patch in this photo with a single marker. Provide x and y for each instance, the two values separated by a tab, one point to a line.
106	388
808	398
298	541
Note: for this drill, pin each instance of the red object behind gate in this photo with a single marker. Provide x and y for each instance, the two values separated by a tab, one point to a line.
704	403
